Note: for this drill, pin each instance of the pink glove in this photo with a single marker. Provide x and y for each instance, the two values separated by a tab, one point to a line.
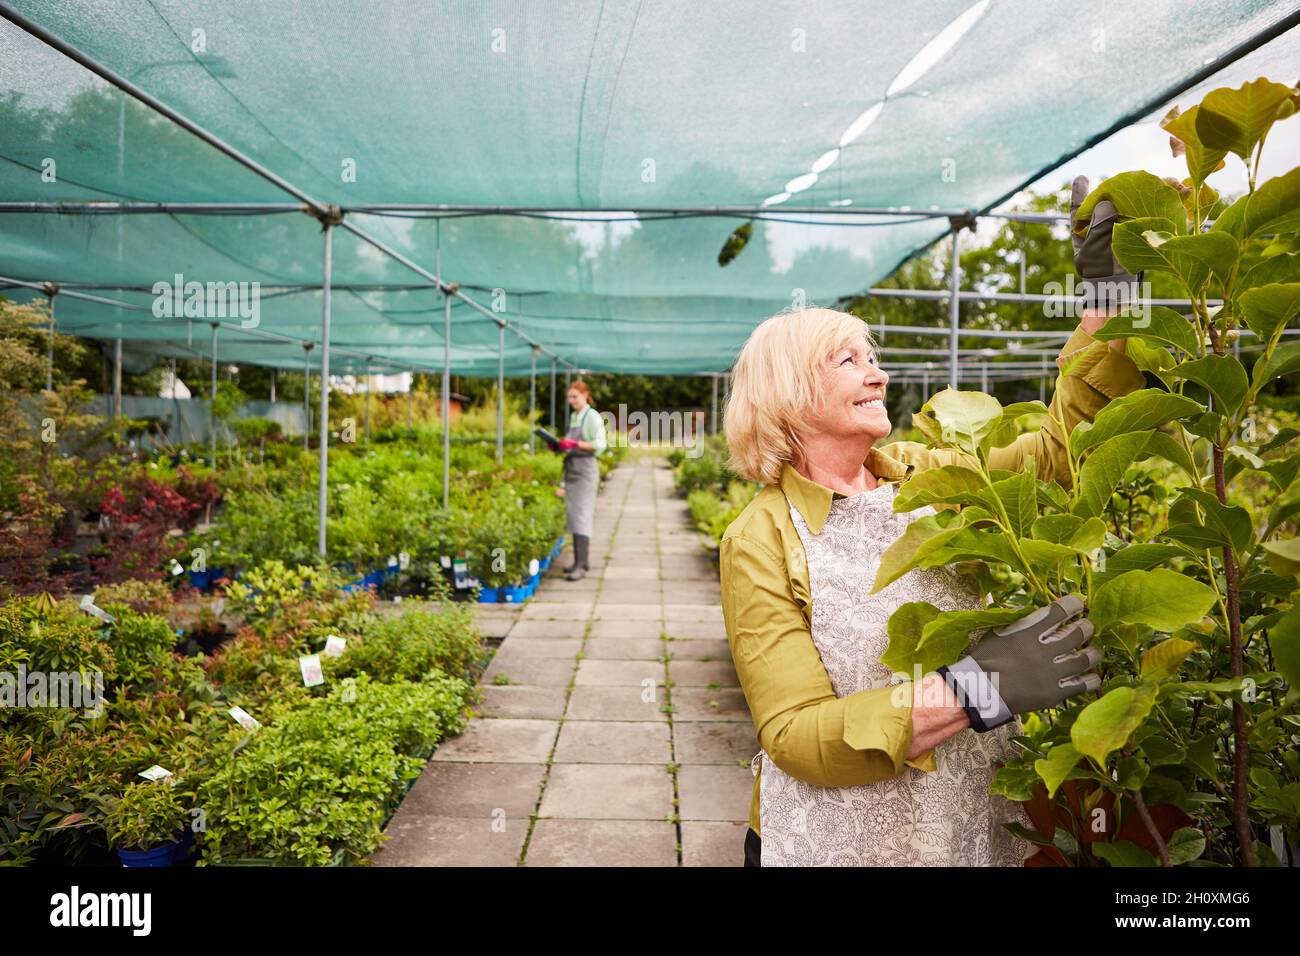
567	444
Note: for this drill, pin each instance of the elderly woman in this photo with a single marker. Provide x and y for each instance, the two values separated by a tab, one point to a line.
851	772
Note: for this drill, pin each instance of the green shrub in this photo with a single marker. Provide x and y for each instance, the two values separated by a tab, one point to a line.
323	779
147	815
408	646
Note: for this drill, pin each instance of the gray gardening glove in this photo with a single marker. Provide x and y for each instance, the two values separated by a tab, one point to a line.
1106	284
1031	664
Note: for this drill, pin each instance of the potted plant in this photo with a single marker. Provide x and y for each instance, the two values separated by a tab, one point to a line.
146	824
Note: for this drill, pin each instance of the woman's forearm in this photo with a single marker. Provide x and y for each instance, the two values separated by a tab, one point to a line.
1093	319
936	715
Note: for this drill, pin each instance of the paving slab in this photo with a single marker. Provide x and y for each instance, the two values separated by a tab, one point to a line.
602	843
604	673
453	841
715	792
521	701
713	843
489	740
609	741
615	703
590	791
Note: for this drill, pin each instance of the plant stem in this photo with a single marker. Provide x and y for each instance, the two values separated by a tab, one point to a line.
1241	745
1150	824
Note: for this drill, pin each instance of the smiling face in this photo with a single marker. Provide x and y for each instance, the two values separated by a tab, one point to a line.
576	399
852	395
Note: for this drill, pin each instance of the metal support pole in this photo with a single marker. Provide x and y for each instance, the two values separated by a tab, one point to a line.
212	403
501	393
954	308
714	419
49	356
370	380
554	365
984	378
273	384
1042	384
568	411
446	399
117	380
726	390
306	396
326	271
925	386
410	398
176	405
532	400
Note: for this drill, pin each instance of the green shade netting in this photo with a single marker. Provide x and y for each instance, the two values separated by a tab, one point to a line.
585	105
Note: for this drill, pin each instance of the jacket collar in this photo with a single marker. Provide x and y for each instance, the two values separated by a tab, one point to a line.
813	501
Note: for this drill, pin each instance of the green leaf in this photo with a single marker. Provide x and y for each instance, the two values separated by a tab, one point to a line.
1083	536
1202	254
1140	246
1123	853
1231	522
1056	766
1008	427
1185	846
1161	599
1273	207
1136	195
965	418
1019	499
1223	375
1163	444
1162	661
1281	268
1284	555
905	628
1131	772
1284	361
1105	725
1138	411
1136	557
1104	470
1201	160
948	636
1268	308
1200	755
923	535
1160	324
949	484
1238	120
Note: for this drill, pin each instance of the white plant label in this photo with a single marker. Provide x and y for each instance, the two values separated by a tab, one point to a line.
244	718
533	567
311	670
88	605
155	773
334	646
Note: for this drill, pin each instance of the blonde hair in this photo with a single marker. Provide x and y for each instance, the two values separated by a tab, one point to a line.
776	382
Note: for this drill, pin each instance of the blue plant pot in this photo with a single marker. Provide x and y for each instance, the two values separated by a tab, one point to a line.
489	595
158	856
544	564
200	579
535	580
515	595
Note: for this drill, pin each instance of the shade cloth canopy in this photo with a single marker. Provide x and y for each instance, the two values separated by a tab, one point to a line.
598	109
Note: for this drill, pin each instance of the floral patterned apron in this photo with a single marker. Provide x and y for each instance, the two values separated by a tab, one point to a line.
944	818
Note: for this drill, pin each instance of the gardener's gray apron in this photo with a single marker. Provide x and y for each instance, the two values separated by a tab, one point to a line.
581	476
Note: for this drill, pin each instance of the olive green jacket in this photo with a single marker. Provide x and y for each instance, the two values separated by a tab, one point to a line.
864	737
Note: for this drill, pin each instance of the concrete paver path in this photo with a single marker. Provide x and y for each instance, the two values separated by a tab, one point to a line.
612	731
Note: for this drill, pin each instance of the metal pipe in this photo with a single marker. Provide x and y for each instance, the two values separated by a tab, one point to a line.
212	404
369	382
326	273
117	380
272	383
501	393
446	389
554	424
306	396
532	401
954	307
714	419
49	357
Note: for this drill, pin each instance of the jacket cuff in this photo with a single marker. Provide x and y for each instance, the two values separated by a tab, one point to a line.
881	725
1110	372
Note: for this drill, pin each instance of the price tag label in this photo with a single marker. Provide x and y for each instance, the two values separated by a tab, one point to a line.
334	646
311	670
155	773
244	718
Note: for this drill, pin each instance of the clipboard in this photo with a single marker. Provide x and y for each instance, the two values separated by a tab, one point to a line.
547	437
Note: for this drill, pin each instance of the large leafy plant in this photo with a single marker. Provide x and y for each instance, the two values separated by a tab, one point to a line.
1188	752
